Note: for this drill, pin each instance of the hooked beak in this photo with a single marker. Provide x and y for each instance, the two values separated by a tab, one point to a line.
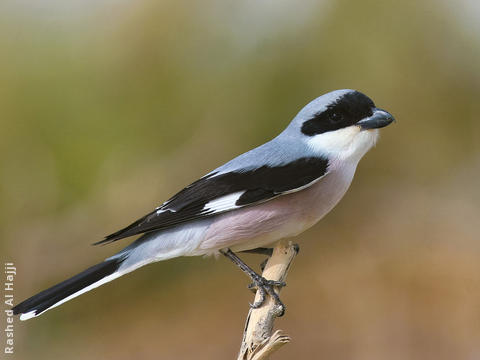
379	119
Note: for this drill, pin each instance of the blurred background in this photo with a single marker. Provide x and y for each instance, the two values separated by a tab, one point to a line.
108	107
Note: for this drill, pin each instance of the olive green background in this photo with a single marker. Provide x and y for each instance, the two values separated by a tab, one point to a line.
107	108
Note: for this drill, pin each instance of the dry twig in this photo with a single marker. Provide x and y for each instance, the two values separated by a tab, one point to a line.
258	342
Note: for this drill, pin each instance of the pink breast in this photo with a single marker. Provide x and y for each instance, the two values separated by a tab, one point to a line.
285	216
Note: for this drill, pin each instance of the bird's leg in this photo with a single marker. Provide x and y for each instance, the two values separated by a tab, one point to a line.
261	251
263	285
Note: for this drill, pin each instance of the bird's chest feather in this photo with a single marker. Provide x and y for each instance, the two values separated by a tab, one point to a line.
285	216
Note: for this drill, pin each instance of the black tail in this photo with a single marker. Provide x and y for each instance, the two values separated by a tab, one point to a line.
68	289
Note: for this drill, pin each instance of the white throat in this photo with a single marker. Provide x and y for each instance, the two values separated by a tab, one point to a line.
345	145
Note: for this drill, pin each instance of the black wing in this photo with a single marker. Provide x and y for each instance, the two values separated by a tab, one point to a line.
235	189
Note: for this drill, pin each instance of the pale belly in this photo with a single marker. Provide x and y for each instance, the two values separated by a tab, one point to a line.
285	216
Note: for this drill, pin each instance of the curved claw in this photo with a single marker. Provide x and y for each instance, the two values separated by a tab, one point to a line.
260	301
265	287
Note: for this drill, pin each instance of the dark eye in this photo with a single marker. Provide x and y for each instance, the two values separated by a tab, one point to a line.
336	117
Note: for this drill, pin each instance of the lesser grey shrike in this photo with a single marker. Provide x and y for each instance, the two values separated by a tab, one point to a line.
274	191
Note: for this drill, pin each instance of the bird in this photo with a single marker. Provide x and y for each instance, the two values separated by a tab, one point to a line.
274	191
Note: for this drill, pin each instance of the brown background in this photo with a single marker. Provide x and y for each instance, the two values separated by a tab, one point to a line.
109	107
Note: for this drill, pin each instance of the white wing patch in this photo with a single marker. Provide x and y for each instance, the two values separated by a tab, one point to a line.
223	203
159	210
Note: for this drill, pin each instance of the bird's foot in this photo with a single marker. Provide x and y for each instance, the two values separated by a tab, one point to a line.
265	287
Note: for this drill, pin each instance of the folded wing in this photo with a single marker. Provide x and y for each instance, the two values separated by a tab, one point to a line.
219	192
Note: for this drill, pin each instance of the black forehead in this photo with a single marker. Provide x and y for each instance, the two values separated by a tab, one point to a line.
352	102
350	108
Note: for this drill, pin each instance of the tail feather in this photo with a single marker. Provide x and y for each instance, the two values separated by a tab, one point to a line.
89	279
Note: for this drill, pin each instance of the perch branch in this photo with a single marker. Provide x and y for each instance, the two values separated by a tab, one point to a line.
258	342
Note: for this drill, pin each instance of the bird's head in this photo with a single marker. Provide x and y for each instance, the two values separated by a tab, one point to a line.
342	124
